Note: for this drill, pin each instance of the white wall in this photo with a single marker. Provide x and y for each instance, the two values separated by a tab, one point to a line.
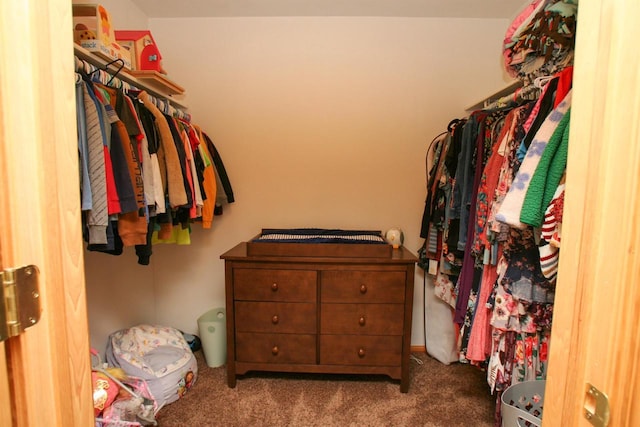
321	122
124	13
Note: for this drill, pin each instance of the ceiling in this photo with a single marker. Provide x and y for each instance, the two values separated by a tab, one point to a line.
504	9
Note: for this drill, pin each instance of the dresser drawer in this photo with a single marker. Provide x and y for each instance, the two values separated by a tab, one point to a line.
275	348
363	286
274	285
370	350
367	319
276	317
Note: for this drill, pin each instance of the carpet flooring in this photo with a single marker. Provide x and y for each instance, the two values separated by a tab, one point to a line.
439	395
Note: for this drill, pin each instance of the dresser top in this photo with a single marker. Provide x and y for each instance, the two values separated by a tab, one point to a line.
329	253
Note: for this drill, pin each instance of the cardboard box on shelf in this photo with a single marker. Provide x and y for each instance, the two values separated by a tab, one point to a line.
93	30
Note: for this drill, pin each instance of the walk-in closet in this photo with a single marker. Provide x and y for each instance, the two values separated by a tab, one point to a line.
334	116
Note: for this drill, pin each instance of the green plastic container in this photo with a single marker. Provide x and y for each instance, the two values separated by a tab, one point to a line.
213	335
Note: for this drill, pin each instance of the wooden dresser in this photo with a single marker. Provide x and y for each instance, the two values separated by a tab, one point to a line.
336	310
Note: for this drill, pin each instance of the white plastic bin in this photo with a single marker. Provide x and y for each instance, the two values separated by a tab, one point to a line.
213	335
522	404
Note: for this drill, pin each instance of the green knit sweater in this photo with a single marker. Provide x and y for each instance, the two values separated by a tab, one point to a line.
547	175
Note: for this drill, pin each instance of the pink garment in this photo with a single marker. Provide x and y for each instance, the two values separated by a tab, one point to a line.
479	346
522	20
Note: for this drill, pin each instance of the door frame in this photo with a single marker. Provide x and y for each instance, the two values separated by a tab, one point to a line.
595	335
47	368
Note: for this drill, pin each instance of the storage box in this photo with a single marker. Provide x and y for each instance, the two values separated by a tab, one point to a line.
144	51
93	30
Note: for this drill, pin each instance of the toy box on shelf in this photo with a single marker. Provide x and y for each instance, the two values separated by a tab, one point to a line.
93	30
145	54
146	59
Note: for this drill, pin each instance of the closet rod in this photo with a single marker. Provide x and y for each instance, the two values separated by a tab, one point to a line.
85	55
502	94
113	81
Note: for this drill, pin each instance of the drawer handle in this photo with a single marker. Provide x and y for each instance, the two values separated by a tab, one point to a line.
274	287
361	352
362	320
363	289
275	319
275	350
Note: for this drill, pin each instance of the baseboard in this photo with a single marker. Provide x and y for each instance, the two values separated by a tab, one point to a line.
418	349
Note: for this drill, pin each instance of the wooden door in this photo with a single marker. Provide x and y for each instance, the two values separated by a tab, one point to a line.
596	326
46	370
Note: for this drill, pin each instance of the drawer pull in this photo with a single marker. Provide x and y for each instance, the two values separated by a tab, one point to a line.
361	352
362	320
363	289
274	287
275	319
275	350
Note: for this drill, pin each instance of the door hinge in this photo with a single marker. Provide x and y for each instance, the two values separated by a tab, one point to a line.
20	300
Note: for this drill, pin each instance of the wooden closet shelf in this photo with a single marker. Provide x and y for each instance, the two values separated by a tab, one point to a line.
154	78
151	81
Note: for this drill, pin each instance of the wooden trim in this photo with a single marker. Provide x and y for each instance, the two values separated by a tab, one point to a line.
39	211
5	403
418	349
595	336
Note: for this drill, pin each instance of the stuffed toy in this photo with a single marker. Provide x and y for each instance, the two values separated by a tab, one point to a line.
82	32
105	391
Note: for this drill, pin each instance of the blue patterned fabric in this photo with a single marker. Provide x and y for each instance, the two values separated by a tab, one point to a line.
319	235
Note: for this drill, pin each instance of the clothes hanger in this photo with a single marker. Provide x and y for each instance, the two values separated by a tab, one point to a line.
106	69
541	82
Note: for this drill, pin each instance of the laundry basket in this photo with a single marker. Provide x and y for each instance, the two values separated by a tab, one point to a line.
522	404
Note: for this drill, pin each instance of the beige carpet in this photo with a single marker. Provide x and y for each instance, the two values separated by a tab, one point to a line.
439	395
